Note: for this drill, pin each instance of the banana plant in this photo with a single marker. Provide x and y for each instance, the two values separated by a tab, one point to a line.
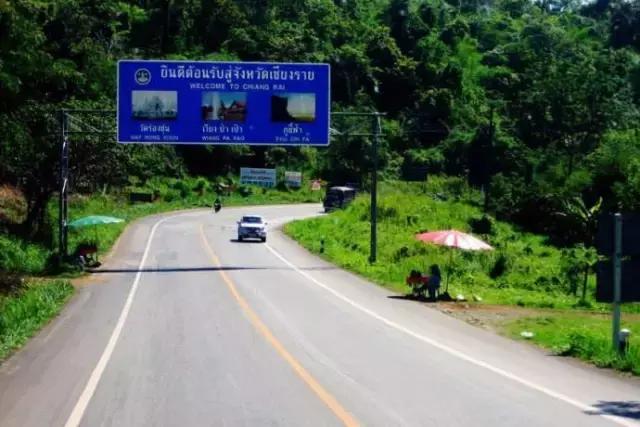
586	217
582	257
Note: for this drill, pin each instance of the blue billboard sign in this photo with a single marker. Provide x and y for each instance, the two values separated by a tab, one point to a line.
187	102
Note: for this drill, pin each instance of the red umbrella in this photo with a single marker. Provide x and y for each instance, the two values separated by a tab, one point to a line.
454	239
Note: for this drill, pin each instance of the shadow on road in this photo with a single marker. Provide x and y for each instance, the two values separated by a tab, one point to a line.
627	409
245	241
410	298
195	269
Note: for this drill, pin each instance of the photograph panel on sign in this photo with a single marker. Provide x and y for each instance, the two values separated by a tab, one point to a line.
154	104
226	106
293	107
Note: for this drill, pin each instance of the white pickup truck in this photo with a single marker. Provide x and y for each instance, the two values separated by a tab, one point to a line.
252	226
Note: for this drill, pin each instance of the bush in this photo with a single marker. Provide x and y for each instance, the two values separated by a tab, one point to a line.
447	188
500	267
282	186
387	212
506	195
577	262
499	277
457	187
201	185
581	344
482	225
183	188
401	254
430	158
221	188
171	195
10	282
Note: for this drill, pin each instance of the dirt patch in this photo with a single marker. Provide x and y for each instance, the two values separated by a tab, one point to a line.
494	317
486	316
88	279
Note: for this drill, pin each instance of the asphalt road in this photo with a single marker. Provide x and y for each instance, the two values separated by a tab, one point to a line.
184	326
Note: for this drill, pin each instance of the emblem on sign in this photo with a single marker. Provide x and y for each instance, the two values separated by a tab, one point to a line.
143	76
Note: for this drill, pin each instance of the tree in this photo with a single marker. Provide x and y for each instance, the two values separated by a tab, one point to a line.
584	219
51	53
562	79
625	24
578	261
29	154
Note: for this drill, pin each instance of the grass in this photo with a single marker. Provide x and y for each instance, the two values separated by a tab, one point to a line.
24	312
171	199
170	194
17	255
583	335
24	309
523	270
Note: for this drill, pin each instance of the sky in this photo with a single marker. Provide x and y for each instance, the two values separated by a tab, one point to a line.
168	97
301	104
227	98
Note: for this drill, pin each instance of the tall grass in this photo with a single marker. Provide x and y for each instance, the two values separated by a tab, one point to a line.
26	311
19	256
522	270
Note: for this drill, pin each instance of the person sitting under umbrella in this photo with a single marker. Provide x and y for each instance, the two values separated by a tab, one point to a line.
433	284
453	239
87	253
425	285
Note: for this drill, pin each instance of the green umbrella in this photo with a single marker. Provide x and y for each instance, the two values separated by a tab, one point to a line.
94	220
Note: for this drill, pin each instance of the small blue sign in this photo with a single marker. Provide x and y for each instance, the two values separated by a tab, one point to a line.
187	102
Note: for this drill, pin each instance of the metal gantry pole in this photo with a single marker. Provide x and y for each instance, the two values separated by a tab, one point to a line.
60	182
63	210
67	118
617	279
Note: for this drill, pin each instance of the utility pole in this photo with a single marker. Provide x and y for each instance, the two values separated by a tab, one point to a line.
377	131
489	166
617	279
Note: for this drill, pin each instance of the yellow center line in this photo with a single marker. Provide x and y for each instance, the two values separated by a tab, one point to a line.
339	411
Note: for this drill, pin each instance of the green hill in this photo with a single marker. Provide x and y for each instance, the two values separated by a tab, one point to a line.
522	270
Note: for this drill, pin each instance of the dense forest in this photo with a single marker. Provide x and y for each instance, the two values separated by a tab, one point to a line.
534	102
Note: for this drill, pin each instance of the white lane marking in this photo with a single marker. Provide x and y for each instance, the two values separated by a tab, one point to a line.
582	406
85	397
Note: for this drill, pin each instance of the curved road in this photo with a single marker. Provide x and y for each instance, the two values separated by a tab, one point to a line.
183	326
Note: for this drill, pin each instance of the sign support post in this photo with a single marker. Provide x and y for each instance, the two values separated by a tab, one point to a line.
617	279
74	122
